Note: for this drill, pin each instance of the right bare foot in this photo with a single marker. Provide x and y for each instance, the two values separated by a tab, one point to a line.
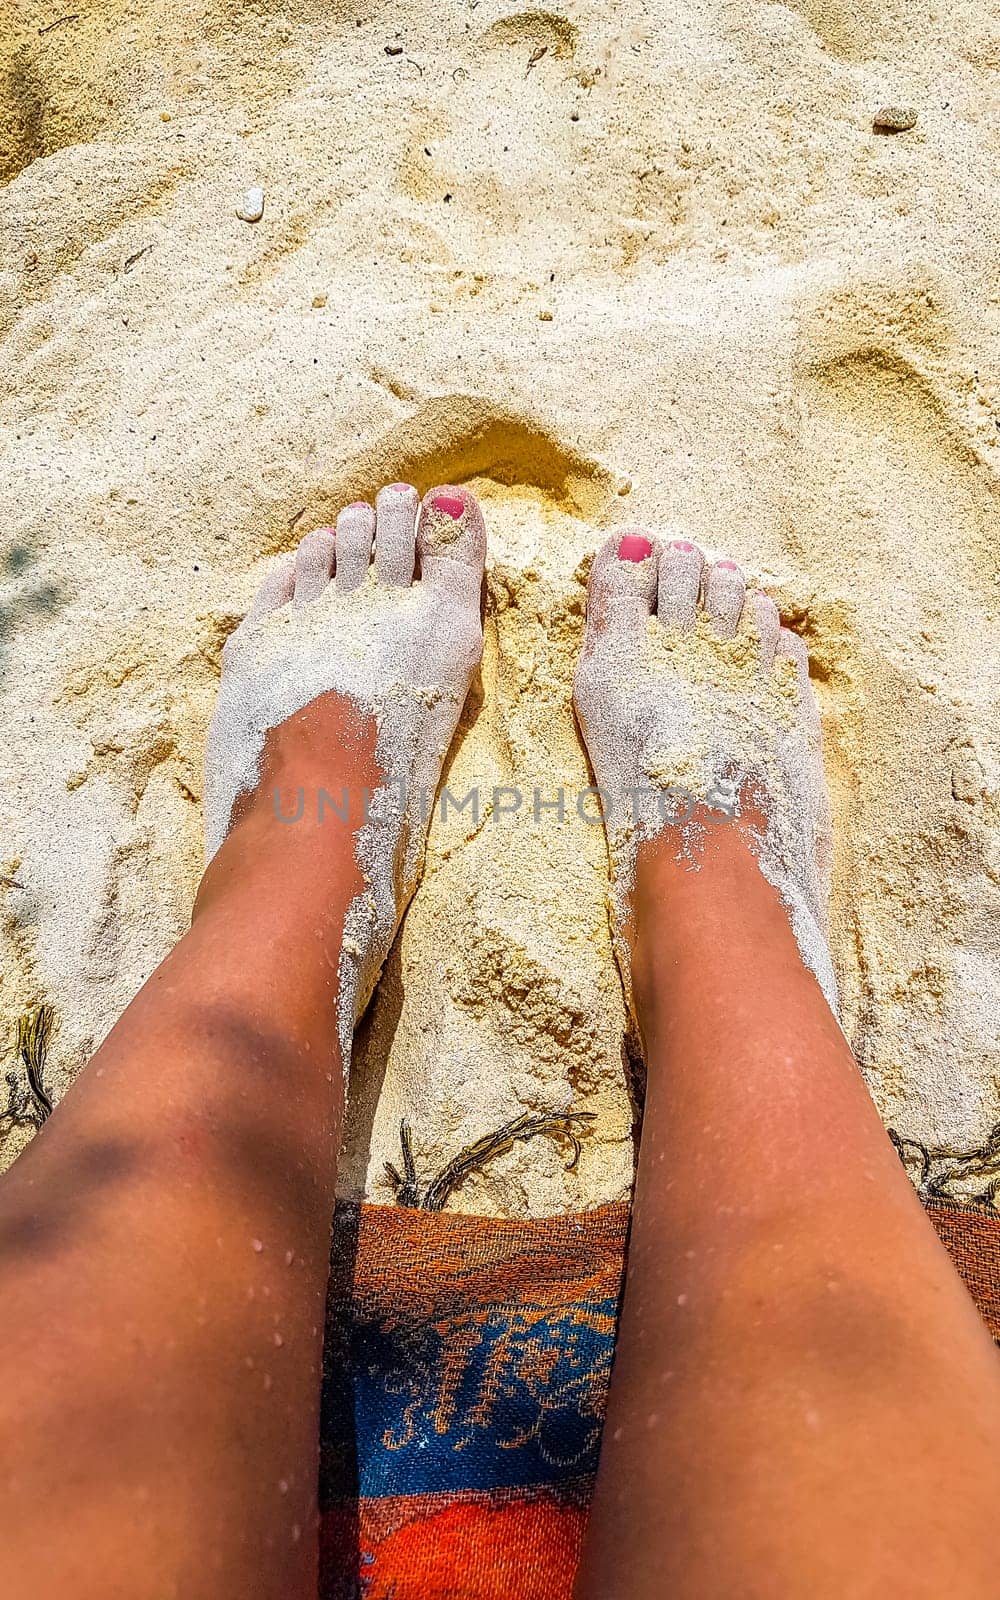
697	711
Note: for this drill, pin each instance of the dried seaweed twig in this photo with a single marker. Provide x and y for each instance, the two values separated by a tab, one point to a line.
28	1103
557	1124
59	22
942	1172
407	1193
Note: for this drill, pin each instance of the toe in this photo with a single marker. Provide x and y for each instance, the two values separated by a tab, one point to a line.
355	532
681	568
314	561
451	541
791	647
621	590
761	613
277	588
395	530
725	593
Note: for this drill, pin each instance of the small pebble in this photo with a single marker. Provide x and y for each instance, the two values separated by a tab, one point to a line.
251	207
895	119
394	49
319	301
545	315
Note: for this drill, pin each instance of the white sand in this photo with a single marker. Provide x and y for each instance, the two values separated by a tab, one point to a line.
663	271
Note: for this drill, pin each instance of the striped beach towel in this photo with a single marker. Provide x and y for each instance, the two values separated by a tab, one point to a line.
466	1374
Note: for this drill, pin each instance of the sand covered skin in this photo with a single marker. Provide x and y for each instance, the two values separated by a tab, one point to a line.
700	714
660	268
402	654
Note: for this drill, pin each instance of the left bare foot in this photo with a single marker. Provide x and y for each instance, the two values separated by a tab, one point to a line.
338	640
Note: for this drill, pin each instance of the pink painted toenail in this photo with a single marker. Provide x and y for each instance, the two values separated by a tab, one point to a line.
727	566
633	547
682	544
449	505
358	505
400	488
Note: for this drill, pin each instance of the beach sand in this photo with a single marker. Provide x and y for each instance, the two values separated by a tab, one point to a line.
647	264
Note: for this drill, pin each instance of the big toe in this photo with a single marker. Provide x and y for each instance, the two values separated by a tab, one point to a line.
451	541
621	591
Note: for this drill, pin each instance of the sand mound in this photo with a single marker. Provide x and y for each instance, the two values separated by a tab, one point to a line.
656	268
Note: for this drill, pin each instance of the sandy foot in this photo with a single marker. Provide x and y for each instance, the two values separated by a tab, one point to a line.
347	614
696	705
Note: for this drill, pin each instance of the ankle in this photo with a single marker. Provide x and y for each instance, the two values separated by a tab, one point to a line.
692	914
284	853
718	928
316	767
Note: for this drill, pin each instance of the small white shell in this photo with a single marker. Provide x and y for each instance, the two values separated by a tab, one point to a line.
251	207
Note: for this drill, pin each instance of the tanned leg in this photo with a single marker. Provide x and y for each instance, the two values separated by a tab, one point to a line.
164	1242
804	1400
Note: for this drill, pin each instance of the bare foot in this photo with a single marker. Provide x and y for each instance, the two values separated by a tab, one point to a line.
399	651
697	712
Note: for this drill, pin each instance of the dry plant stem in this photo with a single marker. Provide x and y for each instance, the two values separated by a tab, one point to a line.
164	1242
804	1399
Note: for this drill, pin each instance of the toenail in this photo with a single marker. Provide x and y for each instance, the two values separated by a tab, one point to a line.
449	505
682	544
633	547
358	505
400	488
727	566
